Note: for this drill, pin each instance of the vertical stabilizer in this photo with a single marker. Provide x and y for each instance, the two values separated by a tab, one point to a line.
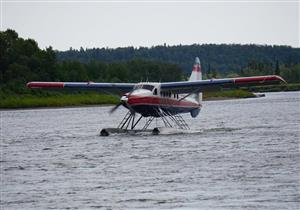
196	75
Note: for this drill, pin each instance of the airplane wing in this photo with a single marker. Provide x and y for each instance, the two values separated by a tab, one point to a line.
218	84
111	88
174	87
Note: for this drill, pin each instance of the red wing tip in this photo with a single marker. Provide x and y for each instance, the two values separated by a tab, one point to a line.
276	78
280	78
28	84
260	79
45	84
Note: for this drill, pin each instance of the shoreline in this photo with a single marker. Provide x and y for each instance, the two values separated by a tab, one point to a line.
100	105
56	107
35	105
103	105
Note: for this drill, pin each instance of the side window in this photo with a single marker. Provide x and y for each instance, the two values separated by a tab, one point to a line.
155	91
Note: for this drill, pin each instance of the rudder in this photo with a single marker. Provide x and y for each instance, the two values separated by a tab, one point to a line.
195	76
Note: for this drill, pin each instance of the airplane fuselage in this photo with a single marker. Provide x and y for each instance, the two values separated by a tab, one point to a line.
147	99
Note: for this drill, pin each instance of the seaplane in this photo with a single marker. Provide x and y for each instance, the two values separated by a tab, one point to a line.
161	100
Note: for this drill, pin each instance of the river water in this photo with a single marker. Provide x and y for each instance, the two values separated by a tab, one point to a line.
246	156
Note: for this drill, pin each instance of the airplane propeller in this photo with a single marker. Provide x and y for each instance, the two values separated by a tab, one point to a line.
123	102
115	108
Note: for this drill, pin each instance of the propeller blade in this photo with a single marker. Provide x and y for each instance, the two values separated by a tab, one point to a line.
115	108
124	103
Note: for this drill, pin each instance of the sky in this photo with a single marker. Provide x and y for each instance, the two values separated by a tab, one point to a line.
112	24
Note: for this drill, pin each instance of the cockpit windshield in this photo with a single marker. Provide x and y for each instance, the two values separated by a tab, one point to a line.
143	86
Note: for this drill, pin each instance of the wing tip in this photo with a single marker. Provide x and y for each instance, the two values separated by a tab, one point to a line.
28	85
279	78
45	85
259	79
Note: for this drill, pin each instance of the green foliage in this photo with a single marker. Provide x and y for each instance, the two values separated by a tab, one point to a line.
223	57
274	88
28	101
22	61
217	60
228	94
277	68
291	74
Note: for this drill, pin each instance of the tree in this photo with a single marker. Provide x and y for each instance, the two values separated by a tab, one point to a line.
208	73
277	68
214	73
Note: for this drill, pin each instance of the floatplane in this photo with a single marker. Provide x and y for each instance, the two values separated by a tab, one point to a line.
161	100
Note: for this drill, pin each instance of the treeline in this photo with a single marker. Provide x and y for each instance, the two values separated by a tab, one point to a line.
290	72
22	61
223	58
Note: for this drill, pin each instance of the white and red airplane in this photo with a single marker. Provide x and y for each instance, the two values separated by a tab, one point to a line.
166	100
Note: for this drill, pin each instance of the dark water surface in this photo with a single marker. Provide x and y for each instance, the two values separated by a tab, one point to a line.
247	156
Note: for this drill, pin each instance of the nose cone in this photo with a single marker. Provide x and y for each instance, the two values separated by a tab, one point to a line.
124	98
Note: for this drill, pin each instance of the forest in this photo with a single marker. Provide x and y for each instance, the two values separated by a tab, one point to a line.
21	61
223	59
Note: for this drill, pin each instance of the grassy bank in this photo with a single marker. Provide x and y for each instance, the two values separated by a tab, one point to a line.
275	88
61	100
64	99
228	94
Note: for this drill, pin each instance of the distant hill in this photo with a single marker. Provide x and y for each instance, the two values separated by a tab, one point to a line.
221	57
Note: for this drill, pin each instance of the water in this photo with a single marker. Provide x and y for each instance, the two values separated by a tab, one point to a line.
246	156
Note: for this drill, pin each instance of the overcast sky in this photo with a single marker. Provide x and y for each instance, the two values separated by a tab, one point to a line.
119	24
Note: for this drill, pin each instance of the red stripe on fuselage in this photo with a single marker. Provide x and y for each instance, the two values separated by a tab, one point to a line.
150	100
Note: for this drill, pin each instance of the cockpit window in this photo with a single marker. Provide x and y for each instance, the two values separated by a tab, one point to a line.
147	87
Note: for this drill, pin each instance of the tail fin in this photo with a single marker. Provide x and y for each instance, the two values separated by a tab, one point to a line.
196	75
